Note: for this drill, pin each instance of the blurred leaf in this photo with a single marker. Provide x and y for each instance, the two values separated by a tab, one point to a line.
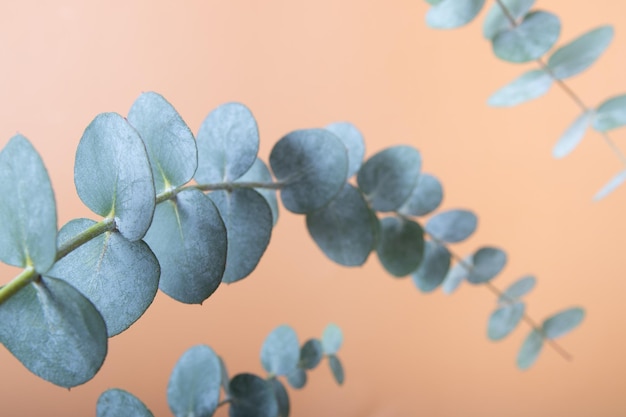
282	397
573	135
281	351
434	267
615	182
311	354
401	246
27	208
425	197
353	141
336	368
194	386
531	85
259	172
456	275
518	289
496	21
118	403
562	323
119	277
581	53
252	396
433	2
388	178
611	114
452	226
332	339
228	142
113	175
344	228
533	37
297	378
188	238
530	350
170	144
488	262
450	14
55	332
313	165
504	320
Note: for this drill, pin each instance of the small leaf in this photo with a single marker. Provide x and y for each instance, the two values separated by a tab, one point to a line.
252	396
55	332
332	339
615	182
336	368
188	238
611	114
531	85
532	38
388	178
450	14
488	262
170	144
530	350
425	197
353	141
113	175
297	378
343	229
228	142
434	267
118	403
452	226
27	208
581	53
563	322
311	354
401	246
573	135
248	221
504	320
313	165
259	172
282	397
518	289
456	275
194	386
281	351
496	21
120	277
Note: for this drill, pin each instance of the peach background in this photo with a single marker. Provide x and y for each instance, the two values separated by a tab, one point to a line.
304	64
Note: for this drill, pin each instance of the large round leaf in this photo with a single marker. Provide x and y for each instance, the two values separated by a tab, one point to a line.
353	141
281	351
113	175
425	197
118	403
611	114
452	226
54	331
488	262
252	396
581	53
504	320
259	172
450	14
401	246
531	85
563	322
528	41
573	135
496	21
120	277
434	267
282	398
530	350
313	166
518	289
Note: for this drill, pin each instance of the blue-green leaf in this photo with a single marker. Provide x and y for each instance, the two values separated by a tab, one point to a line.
434	267
332	339
530	350
531	85
188	238
563	322
311	354
488	262
401	245
170	144
581	53
532	38
228	142
452	226
504	320
120	277
120	403
344	229
281	351
252	396
27	208
496	21
336	368
450	14
388	178
425	197
353	141
248	221
282	397
194	386
615	182
456	275
297	378
259	172
313	165
433	2
518	289
113	176
54	331
573	135
611	114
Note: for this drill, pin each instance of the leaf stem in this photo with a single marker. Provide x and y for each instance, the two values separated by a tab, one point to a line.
105	225
25	277
223	402
228	186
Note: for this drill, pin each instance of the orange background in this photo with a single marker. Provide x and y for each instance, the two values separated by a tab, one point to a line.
305	64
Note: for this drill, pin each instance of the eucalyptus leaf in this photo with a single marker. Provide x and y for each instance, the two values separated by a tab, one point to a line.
353	141
280	351
573	135
27	208
388	178
336	368
530	40
259	172
332	339
531	85
194	386
530	350
433	2
563	322
54	331
313	166
118	403
452	226
311	354
456	275
252	396
282	397
401	246
113	176
297	378
504	320
611	186
433	269
228	142
518	289
425	197
496	21
170	144
611	114
487	263
450	14
581	53
120	277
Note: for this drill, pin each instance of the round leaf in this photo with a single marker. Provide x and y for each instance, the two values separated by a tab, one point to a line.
311	354
518	289
281	351
611	114
530	350
353	141
563	322
504	320
170	144
532	38
452	226
120	277
297	378
611	186
388	178
581	53
55	332
434	267
336	368
188	238
450	14
117	403
496	21
332	339
252	396
425	197
488	262
401	246
573	135
113	175
228	142
531	85
313	165
456	275
27	208
282	397
259	172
